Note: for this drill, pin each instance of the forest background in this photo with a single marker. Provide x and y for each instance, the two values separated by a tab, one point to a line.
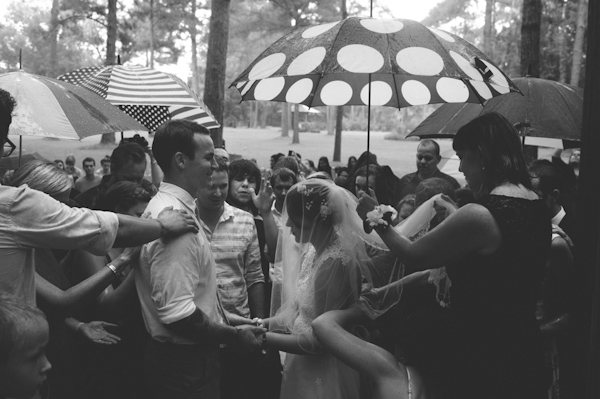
542	38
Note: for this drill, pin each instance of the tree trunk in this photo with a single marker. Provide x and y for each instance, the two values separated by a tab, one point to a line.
254	121
339	118
111	33
578	45
216	63
111	50
194	49
54	39
151	33
488	28
285	120
296	120
562	52
530	38
331	120
263	116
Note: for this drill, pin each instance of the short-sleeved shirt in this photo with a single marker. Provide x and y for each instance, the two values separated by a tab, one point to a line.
30	219
176	276
234	244
408	183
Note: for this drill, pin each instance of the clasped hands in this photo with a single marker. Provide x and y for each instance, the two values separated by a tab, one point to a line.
251	337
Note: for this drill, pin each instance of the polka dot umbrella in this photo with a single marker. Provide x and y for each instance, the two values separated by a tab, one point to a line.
366	61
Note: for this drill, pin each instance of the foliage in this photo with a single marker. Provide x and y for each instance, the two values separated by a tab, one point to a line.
27	29
254	25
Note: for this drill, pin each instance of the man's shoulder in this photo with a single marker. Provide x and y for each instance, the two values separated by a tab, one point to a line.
160	201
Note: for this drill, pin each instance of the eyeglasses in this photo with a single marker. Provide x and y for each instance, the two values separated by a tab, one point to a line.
9	147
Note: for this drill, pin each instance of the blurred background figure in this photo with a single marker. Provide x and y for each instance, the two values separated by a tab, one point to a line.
105	166
91	179
71	169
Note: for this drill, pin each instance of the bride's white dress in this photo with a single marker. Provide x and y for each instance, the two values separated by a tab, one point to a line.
320	375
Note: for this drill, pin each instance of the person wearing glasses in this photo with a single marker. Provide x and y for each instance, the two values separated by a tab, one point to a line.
428	158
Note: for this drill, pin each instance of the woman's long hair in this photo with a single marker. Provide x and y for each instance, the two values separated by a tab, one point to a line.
497	142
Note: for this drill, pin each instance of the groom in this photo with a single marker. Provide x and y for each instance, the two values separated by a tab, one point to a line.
176	280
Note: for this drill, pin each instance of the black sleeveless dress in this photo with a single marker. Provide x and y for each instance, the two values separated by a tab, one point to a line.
488	343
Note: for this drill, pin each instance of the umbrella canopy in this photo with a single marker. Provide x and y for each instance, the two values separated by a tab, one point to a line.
14	161
547	109
50	108
152	97
403	63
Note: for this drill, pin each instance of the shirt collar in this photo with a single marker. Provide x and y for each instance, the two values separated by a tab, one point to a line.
227	212
559	216
183	196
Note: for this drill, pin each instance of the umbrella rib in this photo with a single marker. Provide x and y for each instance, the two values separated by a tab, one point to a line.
468	83
396	90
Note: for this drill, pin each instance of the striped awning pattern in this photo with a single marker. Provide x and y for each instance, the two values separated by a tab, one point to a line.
150	96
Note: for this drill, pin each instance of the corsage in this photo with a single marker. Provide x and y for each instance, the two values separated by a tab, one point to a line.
381	217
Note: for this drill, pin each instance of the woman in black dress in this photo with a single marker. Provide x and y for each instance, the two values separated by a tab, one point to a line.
487	344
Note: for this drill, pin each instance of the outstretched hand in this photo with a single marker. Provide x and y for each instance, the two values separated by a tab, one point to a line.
176	223
265	198
95	331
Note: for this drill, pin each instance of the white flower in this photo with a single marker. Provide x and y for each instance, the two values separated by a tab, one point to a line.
325	211
375	217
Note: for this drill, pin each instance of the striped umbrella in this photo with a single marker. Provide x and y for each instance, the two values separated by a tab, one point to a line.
50	108
152	97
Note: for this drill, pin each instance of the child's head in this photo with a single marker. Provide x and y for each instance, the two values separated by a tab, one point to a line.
23	339
405	208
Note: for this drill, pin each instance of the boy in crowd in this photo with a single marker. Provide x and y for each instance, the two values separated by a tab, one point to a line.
23	339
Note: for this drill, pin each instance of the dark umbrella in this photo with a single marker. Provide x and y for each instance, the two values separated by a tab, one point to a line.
546	110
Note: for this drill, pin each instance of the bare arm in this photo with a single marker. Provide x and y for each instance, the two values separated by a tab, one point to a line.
330	330
199	327
169	223
471	229
291	343
264	202
80	295
256	300
111	302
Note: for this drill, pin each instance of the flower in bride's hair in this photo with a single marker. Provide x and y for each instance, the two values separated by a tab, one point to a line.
301	188
381	215
325	210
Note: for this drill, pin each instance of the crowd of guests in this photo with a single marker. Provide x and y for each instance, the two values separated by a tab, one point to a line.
216	278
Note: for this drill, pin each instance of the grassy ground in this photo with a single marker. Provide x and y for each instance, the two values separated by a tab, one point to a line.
259	144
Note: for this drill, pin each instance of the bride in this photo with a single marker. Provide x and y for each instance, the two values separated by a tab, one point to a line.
331	262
